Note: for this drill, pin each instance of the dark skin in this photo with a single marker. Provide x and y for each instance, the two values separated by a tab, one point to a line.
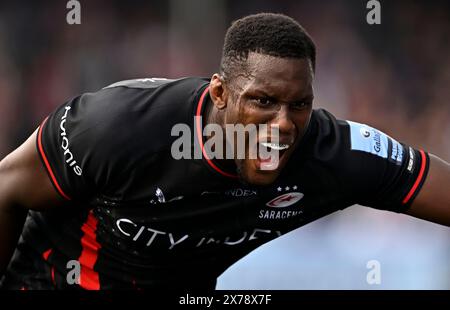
25	185
277	92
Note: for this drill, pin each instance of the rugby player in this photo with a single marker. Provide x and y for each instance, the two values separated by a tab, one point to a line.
97	183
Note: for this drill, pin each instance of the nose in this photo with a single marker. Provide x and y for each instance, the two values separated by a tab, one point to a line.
284	120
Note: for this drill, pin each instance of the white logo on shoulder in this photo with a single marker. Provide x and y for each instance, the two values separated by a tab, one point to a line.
65	145
285	200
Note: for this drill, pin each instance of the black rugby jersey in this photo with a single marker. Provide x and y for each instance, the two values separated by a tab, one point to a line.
138	218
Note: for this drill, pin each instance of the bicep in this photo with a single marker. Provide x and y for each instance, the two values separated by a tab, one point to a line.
433	201
24	181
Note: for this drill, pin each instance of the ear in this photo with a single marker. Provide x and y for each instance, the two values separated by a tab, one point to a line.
218	92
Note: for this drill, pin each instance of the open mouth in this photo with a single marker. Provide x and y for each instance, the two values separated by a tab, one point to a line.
270	155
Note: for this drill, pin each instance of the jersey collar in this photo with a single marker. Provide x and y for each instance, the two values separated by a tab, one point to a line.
199	132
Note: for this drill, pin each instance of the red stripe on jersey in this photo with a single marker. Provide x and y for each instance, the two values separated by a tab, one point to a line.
46	254
47	164
89	278
419	178
200	136
53	275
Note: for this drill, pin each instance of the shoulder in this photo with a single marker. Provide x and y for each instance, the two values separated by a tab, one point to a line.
349	150
132	111
96	137
348	138
360	157
142	98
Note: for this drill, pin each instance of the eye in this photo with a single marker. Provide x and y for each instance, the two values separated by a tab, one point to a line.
300	105
265	101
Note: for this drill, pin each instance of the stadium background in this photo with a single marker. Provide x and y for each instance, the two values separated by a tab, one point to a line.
394	76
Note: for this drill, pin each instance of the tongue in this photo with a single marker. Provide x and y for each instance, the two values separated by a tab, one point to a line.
267	160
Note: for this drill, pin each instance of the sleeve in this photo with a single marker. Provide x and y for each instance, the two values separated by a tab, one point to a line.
107	143
82	144
380	172
63	146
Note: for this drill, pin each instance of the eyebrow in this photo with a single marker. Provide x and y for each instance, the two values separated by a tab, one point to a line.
268	95
261	93
307	97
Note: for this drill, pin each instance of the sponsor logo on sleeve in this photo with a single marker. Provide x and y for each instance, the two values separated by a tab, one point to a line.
365	132
65	145
411	160
397	152
370	140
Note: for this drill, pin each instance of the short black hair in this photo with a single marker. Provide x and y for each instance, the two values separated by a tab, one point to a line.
265	33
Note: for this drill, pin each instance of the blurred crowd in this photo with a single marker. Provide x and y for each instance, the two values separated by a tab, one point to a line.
394	76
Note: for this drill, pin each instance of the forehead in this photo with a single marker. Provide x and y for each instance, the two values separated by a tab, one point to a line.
290	78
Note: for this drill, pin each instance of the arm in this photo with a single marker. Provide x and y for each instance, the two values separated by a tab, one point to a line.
433	201
24	185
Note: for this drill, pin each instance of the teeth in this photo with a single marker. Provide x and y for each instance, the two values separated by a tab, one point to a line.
276	146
